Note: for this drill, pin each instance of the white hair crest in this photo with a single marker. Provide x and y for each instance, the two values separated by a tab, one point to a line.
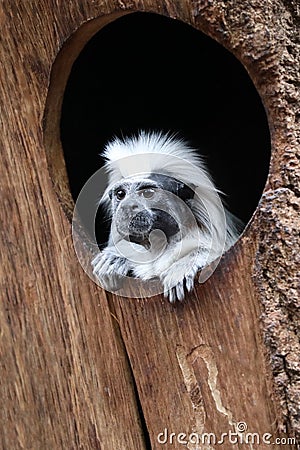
155	152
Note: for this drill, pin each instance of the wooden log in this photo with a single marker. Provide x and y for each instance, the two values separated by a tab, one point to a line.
200	366
65	378
71	354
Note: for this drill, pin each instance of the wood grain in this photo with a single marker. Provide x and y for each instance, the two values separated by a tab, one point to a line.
71	354
204	359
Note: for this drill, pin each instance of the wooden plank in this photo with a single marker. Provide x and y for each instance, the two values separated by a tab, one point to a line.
65	379
68	351
200	366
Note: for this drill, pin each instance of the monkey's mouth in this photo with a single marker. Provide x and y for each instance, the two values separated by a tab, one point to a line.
140	227
144	222
141	240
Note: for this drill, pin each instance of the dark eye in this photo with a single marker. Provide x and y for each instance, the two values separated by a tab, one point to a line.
120	194
148	193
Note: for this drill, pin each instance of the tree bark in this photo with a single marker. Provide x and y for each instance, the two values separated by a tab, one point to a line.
81	368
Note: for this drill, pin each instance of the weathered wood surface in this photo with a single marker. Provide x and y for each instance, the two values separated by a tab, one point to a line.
69	352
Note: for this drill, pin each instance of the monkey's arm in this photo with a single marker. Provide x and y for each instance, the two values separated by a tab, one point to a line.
180	276
110	268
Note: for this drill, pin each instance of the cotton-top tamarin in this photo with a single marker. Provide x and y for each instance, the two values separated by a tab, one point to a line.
167	219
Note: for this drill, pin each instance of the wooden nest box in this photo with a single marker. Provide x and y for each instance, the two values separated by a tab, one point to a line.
86	369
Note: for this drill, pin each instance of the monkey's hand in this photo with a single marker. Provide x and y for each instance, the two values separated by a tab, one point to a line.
110	269
179	277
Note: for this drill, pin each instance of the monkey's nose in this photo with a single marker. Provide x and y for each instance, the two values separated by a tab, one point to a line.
141	222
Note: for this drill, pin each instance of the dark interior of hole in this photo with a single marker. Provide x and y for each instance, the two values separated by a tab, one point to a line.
146	71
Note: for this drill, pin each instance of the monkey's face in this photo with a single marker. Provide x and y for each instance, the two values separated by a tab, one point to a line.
142	205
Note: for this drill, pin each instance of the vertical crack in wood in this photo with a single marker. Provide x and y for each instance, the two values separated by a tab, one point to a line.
118	330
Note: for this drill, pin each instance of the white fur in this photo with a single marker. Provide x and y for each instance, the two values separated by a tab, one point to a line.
158	153
177	266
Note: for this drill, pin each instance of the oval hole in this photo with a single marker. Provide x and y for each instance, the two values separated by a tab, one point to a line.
146	71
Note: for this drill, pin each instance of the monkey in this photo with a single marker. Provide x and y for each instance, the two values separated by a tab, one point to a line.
168	221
